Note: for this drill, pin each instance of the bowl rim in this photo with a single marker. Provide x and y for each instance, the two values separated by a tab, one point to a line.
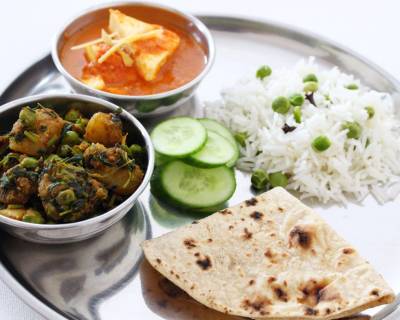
199	25
104	216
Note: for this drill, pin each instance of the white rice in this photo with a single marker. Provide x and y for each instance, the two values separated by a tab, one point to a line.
350	167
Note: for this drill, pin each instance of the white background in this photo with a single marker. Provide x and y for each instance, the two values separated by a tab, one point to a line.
369	27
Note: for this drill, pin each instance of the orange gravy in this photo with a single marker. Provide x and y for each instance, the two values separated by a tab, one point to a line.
184	65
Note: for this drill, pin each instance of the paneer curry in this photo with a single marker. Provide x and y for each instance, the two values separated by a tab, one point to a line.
128	56
57	169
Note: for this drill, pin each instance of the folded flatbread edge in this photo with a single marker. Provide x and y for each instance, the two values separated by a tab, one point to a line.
270	257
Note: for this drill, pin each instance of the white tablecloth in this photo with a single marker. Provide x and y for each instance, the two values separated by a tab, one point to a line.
369	27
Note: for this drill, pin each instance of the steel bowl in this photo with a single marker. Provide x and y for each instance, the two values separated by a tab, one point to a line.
146	105
76	231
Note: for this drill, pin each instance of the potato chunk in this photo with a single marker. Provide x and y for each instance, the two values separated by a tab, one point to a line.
104	128
36	132
13	213
113	167
17	185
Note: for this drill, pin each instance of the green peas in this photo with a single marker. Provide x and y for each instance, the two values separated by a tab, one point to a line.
263	72
278	179
27	117
71	138
65	150
321	143
281	105
73	115
135	148
241	137
352	86
29	163
82	122
354	129
371	112
310	86
296	99
310	77
33	216
297	114
259	179
66	197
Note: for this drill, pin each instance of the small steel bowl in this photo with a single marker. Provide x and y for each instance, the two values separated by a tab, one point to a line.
147	105
76	231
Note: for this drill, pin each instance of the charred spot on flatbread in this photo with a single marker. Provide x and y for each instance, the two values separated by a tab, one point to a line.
310	312
251	202
204	262
271	255
268	253
327	311
271	279
348	250
280	293
301	236
247	235
256	215
189	243
374	293
259	305
312	292
225	212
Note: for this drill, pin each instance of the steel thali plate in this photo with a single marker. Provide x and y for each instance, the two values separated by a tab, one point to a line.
106	277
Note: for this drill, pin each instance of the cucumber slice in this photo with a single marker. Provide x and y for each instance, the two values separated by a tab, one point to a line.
179	137
215	126
216	152
212	125
193	187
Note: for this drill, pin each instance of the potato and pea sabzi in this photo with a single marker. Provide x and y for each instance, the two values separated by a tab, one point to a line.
57	169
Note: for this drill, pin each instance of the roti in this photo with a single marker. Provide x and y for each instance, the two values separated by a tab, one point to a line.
270	257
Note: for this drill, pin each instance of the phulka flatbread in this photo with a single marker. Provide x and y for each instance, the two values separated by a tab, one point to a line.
270	257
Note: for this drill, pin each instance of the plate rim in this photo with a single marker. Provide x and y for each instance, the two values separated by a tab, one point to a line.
41	307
